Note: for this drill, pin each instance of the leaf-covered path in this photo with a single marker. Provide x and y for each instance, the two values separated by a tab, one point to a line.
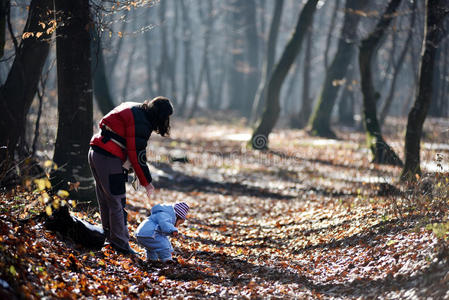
310	218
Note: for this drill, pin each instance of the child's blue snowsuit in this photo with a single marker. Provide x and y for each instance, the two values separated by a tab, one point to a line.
152	233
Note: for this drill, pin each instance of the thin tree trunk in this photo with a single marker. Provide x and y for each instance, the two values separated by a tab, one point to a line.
269	61
320	119
19	89
148	56
164	64
306	107
3	10
329	35
397	69
382	152
252	54
259	139
101	86
74	100
129	69
346	105
206	22
187	41
174	58
237	80
436	12
112	63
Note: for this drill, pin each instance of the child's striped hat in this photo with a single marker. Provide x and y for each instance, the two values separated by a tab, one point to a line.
181	210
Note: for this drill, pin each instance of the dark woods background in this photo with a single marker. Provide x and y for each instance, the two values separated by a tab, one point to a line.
302	64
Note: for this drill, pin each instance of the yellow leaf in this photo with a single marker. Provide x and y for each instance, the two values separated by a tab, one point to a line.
48	164
56	203
12	270
48	210
40	184
391	242
47	183
62	193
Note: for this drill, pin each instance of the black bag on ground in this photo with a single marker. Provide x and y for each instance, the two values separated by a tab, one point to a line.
73	228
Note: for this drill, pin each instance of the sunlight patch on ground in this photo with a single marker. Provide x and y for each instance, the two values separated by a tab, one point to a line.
360	179
434	146
238	137
321	142
434	166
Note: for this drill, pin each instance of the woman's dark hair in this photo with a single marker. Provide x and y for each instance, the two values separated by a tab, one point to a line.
159	110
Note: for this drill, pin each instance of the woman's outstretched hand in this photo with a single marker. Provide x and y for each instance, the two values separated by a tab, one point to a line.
150	190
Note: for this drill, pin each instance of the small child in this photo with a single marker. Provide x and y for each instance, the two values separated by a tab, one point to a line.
163	221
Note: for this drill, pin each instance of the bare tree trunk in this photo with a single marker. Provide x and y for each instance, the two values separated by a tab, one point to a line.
397	69
148	56
237	79
252	54
269	61
74	100
164	64
3	8
306	107
436	12
382	152
174	57
321	117
129	69
346	105
329	35
187	41
112	63
206	19
259	139
19	89
101	84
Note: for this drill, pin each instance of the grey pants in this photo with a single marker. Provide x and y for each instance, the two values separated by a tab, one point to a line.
111	196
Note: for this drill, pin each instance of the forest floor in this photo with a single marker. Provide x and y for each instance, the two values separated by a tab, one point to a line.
311	218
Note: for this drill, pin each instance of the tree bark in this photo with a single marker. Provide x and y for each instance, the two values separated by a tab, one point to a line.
187	41
269	61
397	69
206	20
19	89
237	79
259	139
164	64
174	57
3	9
306	107
252	56
148	55
436	12
382	152
101	84
320	119
329	35
74	99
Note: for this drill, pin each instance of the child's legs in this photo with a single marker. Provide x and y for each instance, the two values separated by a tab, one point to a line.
158	248
152	255
164	254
